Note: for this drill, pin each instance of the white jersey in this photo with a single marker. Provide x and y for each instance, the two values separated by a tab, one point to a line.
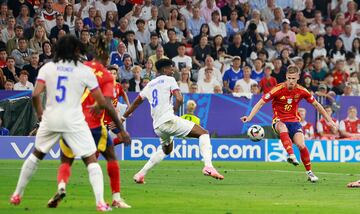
65	84
159	94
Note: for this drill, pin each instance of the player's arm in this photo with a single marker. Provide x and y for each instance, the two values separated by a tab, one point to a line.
254	111
133	107
36	99
126	99
178	100
327	117
344	133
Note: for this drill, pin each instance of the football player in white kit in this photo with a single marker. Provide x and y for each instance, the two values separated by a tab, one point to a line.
65	80
159	93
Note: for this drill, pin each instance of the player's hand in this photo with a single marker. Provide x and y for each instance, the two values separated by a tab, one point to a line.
244	119
125	137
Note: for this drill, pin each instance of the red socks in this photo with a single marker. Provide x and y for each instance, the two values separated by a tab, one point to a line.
64	172
113	170
305	158
286	142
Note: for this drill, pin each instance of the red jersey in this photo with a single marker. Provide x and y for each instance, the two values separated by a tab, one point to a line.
351	126
307	129
285	102
323	126
119	92
339	77
106	84
267	84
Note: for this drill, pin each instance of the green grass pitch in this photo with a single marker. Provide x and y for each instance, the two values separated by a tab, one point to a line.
179	187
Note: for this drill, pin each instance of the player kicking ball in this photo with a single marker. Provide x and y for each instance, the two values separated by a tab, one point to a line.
286	122
159	93
64	80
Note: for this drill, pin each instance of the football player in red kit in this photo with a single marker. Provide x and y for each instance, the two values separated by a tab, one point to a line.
285	101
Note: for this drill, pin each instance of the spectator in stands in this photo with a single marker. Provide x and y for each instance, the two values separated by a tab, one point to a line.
329	39
234	25
13	43
307	128
328	85
238	48
255	89
59	6
223	60
319	50
261	27
33	67
48	14
209	63
170	48
275	24
8	32
279	72
338	53
204	31
2	79
317	27
134	48
136	81
350	14
194	88
349	127
218	42
98	28
354	82
69	18
125	85
185	82
286	36
207	10
206	85
111	43
15	7
182	60
257	72
267	82
172	21
89	21
126	69
347	37
150	48
347	90
246	82
123	7
60	25
338	24
164	9
133	16
36	42
9	85
151	23
218	89
79	26
195	23
81	9
355	26
142	34
356	49
307	82
23	83
216	26
3	56
309	11
22	54
24	18
116	57
159	54
3	131
4	14
351	65
324	130
110	21
187	10
305	40
104	6
47	53
148	71
162	31
146	10
29	32
200	52
339	74
318	73
232	75
229	8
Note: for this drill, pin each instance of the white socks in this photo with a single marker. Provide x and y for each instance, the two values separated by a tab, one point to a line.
97	181
155	158
206	149
28	168
116	196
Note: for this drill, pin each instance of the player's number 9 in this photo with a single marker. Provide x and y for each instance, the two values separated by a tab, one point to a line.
61	87
155	100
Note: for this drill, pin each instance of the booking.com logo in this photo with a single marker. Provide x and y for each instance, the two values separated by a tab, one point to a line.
189	149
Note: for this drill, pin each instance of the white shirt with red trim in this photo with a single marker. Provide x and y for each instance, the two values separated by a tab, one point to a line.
65	85
159	94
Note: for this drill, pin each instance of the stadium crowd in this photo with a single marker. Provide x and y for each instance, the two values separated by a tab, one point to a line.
237	47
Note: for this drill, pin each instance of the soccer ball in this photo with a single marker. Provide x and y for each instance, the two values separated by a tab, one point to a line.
256	133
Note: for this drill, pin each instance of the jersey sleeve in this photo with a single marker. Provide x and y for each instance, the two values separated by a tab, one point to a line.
107	84
145	92
41	75
173	85
90	80
308	96
271	94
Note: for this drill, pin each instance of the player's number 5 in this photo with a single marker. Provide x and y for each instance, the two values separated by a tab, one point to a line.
61	87
155	100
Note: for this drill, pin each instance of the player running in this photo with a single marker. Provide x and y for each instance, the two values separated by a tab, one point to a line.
65	80
159	92
285	101
99	132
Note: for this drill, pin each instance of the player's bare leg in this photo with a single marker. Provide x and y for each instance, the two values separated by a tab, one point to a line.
205	150
286	142
155	158
113	170
355	184
28	169
64	173
305	156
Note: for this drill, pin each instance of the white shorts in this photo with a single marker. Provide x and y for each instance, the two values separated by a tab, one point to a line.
177	127
81	142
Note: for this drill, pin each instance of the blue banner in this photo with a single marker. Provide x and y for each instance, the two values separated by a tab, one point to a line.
188	149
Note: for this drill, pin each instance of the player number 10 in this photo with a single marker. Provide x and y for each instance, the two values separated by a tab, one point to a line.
287	107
